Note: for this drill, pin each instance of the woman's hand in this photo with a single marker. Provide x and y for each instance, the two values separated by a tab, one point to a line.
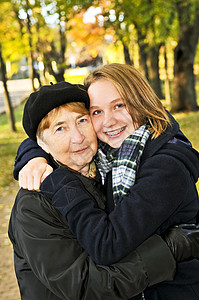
183	241
33	173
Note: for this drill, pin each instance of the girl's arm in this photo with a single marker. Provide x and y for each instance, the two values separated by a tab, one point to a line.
31	165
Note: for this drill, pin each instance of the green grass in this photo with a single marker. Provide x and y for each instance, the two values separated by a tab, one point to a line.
189	123
9	142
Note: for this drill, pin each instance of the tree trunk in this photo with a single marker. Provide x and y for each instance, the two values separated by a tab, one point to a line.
167	83
31	60
59	57
9	109
143	54
184	95
31	65
59	76
127	57
153	67
62	61
48	58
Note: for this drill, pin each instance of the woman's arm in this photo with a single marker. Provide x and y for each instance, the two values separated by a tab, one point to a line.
41	235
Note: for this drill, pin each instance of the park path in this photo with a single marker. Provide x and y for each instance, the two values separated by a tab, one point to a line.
18	89
8	283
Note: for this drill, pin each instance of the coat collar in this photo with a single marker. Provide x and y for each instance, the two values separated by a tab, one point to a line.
153	145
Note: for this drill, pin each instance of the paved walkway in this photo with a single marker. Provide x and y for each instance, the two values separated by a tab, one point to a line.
8	283
18	89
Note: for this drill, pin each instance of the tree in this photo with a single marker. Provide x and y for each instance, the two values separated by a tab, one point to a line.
153	25
184	95
53	45
8	33
8	105
57	48
143	15
85	39
29	31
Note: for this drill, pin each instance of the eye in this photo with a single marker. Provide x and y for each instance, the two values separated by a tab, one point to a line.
83	120
119	105
59	129
96	112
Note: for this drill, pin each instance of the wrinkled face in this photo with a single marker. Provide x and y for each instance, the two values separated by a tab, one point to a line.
111	121
70	139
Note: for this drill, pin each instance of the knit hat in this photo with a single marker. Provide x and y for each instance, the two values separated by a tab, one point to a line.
41	102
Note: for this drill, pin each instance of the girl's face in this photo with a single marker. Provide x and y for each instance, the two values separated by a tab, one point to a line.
111	121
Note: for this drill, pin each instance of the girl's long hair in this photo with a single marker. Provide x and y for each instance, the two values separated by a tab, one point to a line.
142	103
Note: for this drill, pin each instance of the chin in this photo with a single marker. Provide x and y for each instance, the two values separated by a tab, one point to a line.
114	144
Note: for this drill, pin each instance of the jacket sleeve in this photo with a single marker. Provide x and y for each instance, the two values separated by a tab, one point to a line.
163	195
54	255
27	150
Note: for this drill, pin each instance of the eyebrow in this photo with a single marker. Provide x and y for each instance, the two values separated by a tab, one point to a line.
59	123
113	101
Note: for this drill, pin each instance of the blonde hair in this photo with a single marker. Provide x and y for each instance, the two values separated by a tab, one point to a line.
142	103
77	107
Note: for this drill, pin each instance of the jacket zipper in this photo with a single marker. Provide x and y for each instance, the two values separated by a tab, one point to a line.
143	297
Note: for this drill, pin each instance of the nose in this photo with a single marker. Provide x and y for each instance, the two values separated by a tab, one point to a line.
77	137
109	119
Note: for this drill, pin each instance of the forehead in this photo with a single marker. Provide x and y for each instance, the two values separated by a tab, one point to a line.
56	113
103	91
102	84
64	114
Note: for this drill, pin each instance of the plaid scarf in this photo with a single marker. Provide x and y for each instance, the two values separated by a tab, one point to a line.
123	162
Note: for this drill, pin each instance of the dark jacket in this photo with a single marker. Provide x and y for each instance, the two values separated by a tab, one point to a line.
51	265
164	194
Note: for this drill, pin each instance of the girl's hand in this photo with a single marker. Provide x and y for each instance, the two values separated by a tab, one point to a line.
33	173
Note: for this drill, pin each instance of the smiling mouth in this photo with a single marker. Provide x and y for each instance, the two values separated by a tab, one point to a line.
115	132
80	150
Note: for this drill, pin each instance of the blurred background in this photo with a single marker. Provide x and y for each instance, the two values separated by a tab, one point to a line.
45	41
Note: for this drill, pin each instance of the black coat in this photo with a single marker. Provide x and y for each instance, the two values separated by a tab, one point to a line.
51	265
164	194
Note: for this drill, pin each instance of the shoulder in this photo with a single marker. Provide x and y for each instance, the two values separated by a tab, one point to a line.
171	159
31	199
32	205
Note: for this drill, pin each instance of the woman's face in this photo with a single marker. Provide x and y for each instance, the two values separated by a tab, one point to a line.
111	121
70	139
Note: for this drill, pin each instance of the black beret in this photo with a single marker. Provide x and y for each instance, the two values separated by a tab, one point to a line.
41	102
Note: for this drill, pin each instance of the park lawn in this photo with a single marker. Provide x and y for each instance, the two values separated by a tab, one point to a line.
9	142
189	124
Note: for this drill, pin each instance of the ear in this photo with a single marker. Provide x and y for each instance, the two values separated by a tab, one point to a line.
42	144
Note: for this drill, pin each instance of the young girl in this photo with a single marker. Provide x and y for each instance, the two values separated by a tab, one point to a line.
149	170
